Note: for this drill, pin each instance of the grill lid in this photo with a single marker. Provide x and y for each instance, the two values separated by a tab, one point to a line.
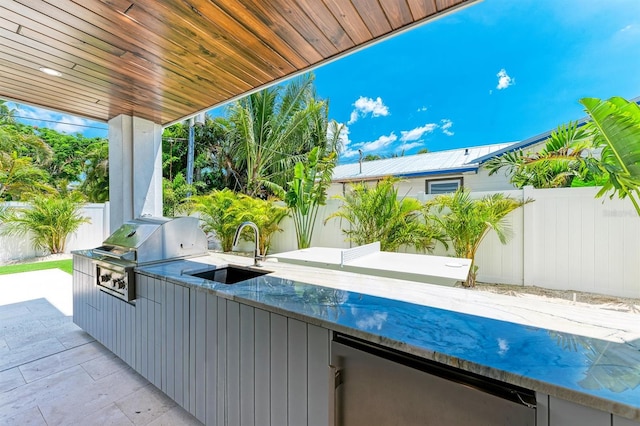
134	233
150	239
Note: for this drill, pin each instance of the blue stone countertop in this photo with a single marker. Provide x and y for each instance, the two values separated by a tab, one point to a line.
600	373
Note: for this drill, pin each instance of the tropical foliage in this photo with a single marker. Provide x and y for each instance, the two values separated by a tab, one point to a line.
48	221
565	157
95	184
605	151
376	213
23	158
466	221
216	215
308	191
265	131
266	214
222	211
36	161
175	196
615	126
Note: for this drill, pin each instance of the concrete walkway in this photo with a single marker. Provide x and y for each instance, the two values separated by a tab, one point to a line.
53	373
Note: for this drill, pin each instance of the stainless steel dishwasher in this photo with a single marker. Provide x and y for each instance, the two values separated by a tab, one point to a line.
379	386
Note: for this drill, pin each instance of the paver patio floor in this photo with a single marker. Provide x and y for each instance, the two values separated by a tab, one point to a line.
53	373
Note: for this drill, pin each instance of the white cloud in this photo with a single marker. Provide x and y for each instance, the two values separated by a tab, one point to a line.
504	80
354	117
59	122
422	109
415	134
407	146
445	126
370	147
627	28
70	124
365	106
382	142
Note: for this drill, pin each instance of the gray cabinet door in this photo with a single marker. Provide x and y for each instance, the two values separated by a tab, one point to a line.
149	319
85	296
260	368
175	343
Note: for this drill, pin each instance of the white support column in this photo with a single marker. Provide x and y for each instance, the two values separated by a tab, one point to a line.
135	169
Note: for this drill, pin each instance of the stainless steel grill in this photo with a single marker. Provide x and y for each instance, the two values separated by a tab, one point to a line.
140	242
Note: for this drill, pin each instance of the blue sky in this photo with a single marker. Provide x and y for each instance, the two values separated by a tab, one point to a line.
498	71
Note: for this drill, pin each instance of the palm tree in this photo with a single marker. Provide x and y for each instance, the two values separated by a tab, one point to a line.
266	214
7	116
564	158
19	176
377	214
49	220
215	213
466	221
271	130
21	155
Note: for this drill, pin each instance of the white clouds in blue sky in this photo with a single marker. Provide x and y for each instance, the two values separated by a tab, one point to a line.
445	125
367	106
408	139
380	144
63	123
504	80
403	147
417	133
478	53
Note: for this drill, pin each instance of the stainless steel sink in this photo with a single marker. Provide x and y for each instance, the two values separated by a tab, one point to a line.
230	274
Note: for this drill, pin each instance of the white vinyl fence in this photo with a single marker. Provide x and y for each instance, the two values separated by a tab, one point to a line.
576	242
89	235
566	240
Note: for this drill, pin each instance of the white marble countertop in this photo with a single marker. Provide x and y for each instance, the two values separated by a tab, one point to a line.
569	351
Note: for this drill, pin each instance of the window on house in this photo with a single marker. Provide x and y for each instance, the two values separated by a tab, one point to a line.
443	186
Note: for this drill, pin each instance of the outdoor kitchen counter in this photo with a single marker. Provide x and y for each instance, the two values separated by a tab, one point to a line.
496	336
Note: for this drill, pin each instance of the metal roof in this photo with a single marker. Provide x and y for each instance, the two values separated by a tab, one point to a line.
438	162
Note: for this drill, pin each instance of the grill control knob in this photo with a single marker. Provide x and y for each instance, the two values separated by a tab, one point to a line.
119	283
104	278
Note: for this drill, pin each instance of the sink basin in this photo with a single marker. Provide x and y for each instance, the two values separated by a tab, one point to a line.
230	274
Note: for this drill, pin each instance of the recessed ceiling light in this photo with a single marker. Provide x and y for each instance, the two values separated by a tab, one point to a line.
50	71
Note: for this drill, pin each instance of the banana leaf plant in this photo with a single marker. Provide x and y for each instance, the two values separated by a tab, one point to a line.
308	191
615	124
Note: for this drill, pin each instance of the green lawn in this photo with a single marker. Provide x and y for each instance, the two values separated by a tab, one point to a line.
65	265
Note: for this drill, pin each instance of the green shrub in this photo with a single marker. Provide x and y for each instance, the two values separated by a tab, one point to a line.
49	220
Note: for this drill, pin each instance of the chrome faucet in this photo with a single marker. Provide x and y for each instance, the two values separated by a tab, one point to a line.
256	253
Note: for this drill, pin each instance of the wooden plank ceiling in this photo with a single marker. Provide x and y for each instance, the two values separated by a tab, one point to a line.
169	59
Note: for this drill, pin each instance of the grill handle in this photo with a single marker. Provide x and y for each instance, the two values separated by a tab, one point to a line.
130	255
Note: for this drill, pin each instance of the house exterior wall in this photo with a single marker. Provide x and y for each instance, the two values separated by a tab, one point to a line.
413	187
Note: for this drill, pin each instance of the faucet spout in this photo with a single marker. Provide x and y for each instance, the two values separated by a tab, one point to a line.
256	253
